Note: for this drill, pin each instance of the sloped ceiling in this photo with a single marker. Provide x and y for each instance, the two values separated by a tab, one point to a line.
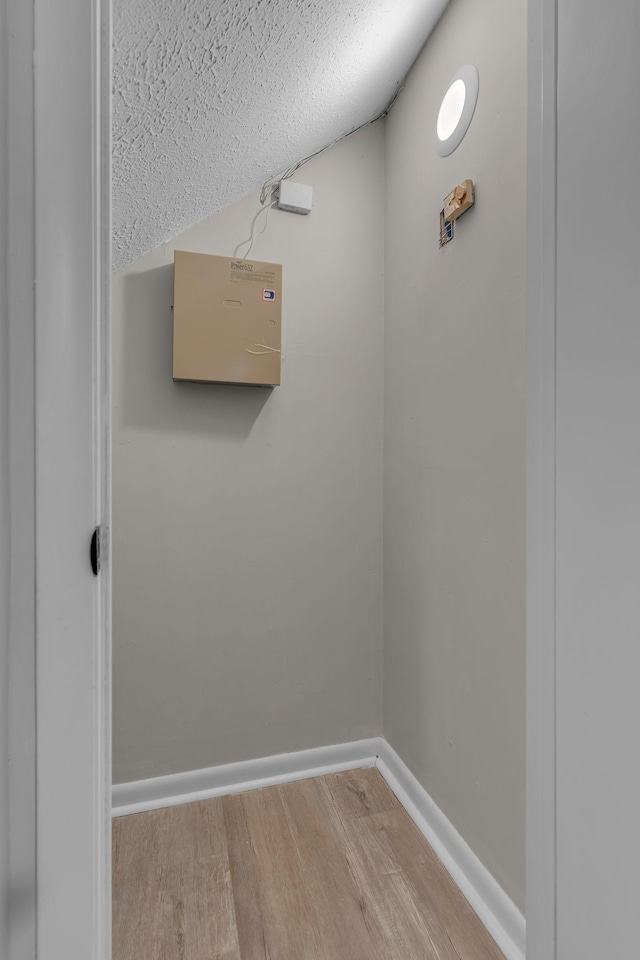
213	97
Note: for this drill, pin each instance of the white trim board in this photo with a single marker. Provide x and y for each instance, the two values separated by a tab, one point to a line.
496	910
71	126
231	778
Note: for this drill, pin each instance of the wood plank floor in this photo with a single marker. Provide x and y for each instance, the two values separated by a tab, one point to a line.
326	869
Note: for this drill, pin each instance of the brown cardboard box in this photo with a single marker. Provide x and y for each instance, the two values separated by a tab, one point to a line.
226	319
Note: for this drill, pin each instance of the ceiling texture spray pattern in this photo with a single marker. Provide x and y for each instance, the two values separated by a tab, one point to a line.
213	97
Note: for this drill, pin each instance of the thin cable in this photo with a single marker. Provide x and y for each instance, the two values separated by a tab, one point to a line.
269	184
266	349
266	223
250	240
289	172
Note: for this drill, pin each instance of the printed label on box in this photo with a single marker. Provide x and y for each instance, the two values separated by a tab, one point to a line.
268	294
244	270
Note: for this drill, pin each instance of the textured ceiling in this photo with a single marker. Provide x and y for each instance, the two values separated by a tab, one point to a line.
212	97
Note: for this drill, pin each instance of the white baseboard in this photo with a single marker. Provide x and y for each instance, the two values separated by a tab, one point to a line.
497	911
142	795
495	908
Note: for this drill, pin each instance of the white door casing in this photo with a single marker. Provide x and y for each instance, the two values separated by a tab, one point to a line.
4	496
598	480
541	483
21	699
72	265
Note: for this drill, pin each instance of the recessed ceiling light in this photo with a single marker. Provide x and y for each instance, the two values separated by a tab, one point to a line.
456	110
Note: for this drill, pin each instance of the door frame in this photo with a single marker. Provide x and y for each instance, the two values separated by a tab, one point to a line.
541	481
72	87
18	543
72	150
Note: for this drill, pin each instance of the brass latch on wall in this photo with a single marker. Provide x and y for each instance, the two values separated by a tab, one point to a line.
455	204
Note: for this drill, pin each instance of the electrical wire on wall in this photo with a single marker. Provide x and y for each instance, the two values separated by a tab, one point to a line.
289	172
250	240
268	187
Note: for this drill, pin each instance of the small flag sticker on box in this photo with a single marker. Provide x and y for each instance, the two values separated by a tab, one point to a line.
268	294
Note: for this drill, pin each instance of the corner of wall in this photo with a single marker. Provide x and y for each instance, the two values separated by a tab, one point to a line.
455	425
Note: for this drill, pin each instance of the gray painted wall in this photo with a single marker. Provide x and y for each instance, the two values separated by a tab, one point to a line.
247	522
454	532
598	481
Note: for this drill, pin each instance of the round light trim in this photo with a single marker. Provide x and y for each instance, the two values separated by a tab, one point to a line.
456	110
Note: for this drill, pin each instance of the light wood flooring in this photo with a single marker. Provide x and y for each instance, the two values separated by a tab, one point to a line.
326	869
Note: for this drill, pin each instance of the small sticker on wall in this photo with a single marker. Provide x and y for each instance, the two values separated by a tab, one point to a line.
268	294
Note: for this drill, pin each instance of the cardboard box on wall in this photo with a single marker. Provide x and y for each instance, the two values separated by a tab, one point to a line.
227	317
